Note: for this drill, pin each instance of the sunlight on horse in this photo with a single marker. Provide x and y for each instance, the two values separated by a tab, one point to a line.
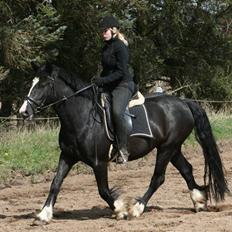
82	138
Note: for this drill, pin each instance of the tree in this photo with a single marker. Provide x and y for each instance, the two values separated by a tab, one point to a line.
28	34
187	45
184	43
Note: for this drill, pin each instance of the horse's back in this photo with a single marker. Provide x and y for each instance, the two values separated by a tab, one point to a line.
169	116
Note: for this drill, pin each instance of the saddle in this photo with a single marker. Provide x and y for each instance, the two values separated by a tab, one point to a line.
135	115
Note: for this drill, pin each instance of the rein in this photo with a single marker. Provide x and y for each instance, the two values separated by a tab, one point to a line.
39	109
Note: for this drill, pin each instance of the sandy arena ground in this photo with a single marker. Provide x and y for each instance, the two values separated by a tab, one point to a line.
80	208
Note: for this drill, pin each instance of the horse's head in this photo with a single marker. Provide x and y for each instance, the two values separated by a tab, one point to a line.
40	90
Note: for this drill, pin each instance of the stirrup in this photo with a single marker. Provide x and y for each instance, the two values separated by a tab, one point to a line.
122	157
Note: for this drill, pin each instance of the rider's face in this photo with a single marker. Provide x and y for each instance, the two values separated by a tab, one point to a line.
107	34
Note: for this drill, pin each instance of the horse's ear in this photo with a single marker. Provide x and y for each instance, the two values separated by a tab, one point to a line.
34	65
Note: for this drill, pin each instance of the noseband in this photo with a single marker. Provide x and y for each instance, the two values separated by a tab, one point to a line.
33	104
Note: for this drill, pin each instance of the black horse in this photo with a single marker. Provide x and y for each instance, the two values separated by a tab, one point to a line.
82	138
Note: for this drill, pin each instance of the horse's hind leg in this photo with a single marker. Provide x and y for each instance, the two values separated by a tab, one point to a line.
64	166
197	193
164	155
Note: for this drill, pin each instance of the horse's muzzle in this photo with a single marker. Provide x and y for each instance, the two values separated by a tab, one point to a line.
26	111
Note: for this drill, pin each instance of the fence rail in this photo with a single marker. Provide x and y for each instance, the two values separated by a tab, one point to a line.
21	119
13	118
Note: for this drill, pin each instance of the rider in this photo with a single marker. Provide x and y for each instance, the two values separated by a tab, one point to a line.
116	79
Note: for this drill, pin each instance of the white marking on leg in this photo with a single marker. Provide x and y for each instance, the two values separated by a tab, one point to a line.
120	209
199	200
137	209
46	214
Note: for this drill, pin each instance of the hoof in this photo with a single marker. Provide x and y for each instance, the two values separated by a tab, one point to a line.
45	215
122	216
121	209
202	209
199	200
38	222
137	209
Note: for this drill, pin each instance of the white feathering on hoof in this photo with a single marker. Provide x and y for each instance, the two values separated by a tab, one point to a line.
137	209
199	200
120	209
46	214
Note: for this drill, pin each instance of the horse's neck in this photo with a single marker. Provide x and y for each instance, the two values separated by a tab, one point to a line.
75	111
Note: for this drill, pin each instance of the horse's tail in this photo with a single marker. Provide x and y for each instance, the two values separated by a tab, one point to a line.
214	171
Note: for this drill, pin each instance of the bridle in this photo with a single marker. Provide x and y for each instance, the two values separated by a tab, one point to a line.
40	106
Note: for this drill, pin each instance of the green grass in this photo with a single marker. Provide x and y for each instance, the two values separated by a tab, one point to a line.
221	126
35	152
28	152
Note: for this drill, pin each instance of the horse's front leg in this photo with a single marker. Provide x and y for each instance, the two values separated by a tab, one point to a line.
64	166
110	196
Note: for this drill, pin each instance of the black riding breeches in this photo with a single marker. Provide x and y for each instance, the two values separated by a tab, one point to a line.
121	96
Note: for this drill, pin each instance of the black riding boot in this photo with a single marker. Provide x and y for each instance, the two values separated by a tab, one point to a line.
122	136
121	96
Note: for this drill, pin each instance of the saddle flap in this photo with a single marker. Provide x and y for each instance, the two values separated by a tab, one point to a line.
136	116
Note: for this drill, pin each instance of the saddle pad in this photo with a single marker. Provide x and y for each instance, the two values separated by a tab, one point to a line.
140	122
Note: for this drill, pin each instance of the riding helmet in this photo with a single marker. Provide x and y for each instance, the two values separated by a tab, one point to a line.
108	22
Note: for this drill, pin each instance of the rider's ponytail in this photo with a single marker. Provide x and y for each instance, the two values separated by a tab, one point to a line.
121	36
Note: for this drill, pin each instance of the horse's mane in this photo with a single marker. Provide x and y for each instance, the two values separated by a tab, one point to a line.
73	80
